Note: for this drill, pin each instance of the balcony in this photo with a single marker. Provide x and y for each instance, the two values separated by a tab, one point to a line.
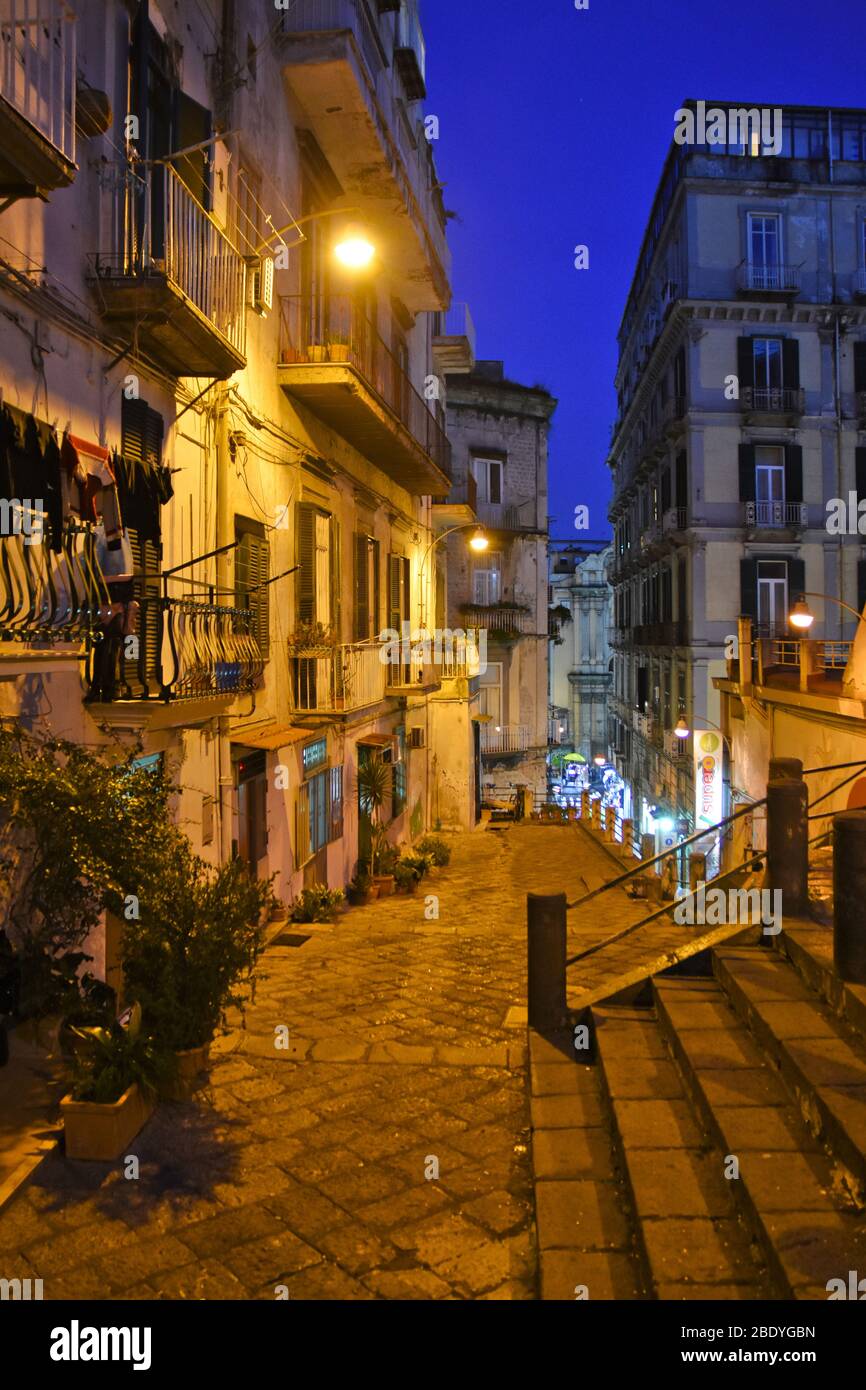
510	516
769	280
37	98
670	633
675	521
333	361
49	600
171	277
454	340
200	656
501	622
460	507
776	401
337	680
772	516
675	414
503	740
858	284
337	69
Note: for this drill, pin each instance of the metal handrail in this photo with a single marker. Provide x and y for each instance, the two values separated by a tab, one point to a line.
665	854
755	862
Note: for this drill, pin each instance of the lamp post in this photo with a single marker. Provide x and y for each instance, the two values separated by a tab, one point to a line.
479	542
802	617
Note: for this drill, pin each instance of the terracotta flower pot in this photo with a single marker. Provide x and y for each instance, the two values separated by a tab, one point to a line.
98	1131
384	884
339	352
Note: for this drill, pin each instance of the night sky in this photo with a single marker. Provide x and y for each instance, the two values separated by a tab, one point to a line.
554	124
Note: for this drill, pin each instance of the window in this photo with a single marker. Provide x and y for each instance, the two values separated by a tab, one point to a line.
252	571
772	596
769	481
399	779
490	692
319	814
487	579
765	250
318	558
488	476
399	606
366	622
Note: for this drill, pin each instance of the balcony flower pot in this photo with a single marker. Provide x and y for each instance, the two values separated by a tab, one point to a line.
103	1131
317	352
339	352
384	884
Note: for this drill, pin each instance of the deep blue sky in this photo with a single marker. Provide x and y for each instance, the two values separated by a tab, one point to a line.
554	127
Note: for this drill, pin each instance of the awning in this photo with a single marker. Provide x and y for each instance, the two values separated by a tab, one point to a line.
377	740
270	736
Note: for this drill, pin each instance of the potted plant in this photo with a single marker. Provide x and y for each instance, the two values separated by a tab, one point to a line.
312	639
407	876
362	889
338	347
317	904
116	1074
374	793
317	352
436	849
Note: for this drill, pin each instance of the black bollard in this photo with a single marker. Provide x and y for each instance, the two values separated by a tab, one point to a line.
788	844
785	770
849	896
545	917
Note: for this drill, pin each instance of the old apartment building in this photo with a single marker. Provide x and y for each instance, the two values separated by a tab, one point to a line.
742	406
222	261
499	435
581	663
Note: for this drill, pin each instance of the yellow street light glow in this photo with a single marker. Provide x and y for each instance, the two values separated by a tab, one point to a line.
354	249
801	615
682	730
479	541
599	760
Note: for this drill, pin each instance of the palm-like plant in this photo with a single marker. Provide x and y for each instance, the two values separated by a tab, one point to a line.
374	790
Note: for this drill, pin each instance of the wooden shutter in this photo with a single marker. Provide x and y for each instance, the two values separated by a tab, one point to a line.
335	574
861	584
362	596
745	363
395	614
666	490
860	473
252	570
860	366
305	557
749	589
790	363
141	674
793	473
796	579
747	472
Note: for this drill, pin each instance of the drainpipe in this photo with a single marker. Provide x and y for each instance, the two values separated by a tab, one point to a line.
226	780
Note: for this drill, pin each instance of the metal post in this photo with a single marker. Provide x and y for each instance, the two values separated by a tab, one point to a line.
785	770
546	937
849	895
788	844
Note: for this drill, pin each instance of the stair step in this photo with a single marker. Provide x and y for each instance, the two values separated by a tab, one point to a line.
824	1073
691	1243
809	948
784	1188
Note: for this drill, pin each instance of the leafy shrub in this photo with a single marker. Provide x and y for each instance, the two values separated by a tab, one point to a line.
436	849
406	875
317	904
110	1060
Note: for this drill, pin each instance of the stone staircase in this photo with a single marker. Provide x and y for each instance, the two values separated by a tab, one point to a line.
737	1105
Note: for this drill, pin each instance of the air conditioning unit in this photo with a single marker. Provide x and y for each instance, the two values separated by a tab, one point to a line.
260	283
417	737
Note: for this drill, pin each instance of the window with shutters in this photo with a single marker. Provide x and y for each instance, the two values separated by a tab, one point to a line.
141	435
319	813
252	572
487	579
366	618
318	559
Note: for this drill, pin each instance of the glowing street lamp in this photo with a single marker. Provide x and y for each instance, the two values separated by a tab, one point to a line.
353	248
480	541
801	615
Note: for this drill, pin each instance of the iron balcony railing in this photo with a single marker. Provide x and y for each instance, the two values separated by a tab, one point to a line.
48	595
509	516
160	228
187	649
675	519
331	328
455	322
504	738
37	67
410	49
333	16
499	618
773	400
777	514
332	680
771	279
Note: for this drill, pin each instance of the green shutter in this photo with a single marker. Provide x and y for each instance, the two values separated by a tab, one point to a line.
860	366
749	589
796	579
745	363
336	569
305	557
793	473
362	596
790	363
747	472
860	473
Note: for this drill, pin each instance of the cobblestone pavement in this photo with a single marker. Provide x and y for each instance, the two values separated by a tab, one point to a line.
313	1166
